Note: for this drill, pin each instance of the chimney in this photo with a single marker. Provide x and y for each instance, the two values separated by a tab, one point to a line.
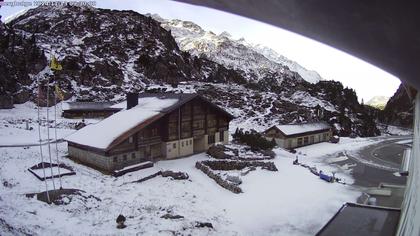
132	100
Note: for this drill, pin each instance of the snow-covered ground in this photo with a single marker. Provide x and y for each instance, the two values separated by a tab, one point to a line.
394	130
14	123
291	201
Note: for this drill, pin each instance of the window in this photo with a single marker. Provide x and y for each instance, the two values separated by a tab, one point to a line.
133	155
198	124
306	140
173	128
319	138
182	143
223	122
130	139
174	145
190	142
141	135
211	121
115	159
154	132
186	143
221	136
312	139
300	141
210	139
324	136
186	126
124	157
289	143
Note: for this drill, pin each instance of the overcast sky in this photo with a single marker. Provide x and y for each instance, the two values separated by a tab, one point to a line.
367	80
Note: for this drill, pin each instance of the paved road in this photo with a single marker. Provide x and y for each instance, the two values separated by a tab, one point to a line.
377	164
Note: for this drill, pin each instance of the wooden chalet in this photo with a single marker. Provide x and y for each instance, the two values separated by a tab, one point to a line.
153	127
297	135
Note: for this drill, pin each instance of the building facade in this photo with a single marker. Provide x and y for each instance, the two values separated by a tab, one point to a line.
189	125
293	136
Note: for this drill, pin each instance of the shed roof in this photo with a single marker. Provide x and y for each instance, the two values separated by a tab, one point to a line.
89	106
298	129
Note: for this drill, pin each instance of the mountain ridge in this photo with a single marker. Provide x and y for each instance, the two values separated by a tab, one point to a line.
254	60
106	53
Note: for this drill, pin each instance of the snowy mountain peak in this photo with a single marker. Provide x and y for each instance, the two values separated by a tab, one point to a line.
308	75
225	34
378	101
256	61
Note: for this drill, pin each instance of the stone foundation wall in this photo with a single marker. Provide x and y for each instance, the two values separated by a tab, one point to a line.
90	158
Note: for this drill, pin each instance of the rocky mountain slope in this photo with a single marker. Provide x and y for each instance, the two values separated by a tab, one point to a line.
106	53
399	109
254	61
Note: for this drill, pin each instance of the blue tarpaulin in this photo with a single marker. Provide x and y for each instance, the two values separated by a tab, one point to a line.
325	177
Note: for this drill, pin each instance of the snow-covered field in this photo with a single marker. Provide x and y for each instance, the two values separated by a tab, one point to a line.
291	201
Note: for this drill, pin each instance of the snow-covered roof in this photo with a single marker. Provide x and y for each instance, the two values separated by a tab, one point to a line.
88	106
303	128
103	133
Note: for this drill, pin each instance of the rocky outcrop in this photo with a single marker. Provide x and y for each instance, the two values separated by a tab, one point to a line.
6	102
399	109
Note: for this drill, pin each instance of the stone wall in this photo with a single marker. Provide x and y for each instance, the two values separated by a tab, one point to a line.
225	184
239	165
90	158
208	166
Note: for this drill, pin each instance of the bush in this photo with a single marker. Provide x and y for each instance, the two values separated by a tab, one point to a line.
253	139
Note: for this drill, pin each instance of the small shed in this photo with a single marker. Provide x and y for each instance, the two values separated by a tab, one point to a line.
297	135
89	109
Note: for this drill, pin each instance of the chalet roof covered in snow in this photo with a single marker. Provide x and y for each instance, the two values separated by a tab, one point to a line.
89	106
150	108
103	133
297	129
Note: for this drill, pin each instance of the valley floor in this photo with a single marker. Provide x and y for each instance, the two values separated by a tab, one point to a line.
291	201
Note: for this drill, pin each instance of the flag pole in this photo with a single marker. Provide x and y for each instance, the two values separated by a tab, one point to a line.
48	132
55	134
40	141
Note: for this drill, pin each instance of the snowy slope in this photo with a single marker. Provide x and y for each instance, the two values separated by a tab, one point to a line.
255	60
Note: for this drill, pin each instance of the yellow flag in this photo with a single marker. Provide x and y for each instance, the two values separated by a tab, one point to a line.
54	64
59	93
